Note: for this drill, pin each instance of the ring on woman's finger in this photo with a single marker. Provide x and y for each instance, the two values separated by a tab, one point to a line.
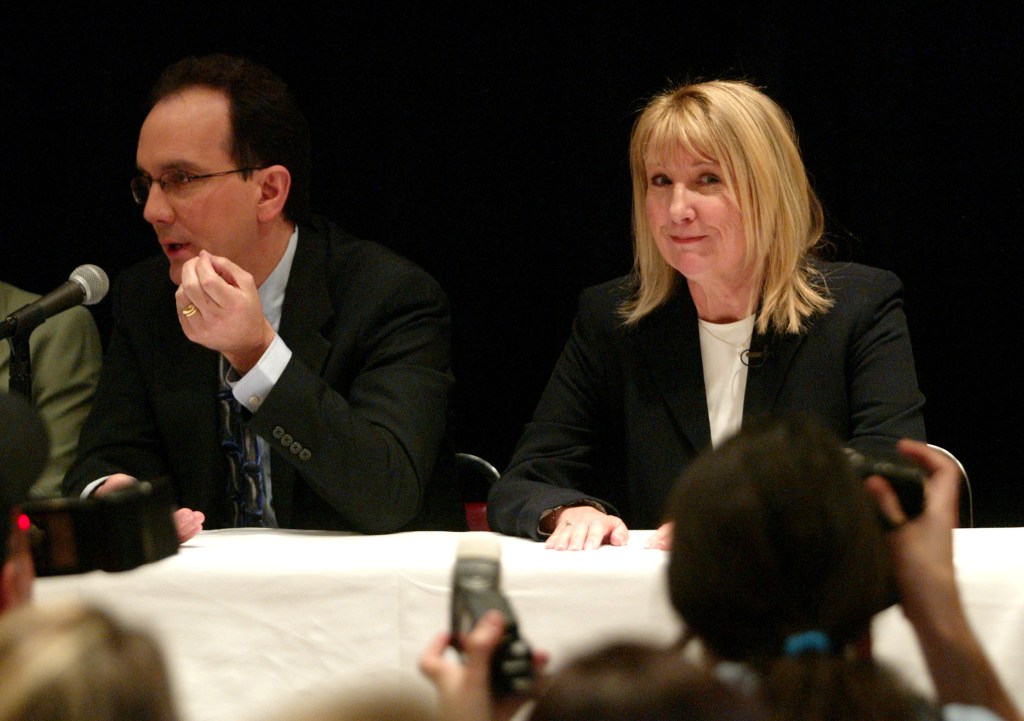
189	310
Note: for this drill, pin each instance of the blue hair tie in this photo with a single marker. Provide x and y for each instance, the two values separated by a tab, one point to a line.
798	644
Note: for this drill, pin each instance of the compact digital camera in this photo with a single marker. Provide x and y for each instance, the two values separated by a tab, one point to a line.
115	532
906	480
475	591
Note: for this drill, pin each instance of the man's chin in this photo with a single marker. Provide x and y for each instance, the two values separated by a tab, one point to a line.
177	262
175	272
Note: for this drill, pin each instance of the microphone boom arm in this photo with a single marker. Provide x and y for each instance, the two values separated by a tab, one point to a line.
20	365
22	323
17	330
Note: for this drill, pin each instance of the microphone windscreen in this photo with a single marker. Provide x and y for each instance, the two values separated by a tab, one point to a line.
93	281
24	447
480	545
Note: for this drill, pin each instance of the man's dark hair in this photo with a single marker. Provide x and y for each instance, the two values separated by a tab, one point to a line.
266	124
627	681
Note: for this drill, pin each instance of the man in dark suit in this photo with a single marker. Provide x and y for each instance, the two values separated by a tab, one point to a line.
336	349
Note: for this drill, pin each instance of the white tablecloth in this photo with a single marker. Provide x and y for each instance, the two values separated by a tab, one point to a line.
251	618
990	571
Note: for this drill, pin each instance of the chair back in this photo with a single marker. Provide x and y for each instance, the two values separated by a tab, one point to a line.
966	495
475	476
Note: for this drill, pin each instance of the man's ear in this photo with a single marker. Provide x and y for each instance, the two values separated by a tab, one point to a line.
275	182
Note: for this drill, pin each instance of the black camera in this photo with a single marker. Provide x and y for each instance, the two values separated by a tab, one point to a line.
116	532
475	591
906	480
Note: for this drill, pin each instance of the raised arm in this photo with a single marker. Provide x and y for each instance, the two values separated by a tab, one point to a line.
922	553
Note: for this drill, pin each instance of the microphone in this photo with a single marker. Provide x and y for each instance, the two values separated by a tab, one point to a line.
87	285
754	359
24	447
476	590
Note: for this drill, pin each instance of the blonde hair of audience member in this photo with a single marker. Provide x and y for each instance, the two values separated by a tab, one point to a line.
628	681
76	663
753	140
378	704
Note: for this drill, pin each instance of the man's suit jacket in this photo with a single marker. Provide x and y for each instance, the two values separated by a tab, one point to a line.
66	355
625	410
357	421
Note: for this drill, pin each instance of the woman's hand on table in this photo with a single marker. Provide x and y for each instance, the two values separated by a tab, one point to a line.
582	528
662	538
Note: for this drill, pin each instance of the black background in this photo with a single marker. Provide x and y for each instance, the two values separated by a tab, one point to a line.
489	144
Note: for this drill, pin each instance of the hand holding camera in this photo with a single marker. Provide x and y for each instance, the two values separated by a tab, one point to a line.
476	589
906	480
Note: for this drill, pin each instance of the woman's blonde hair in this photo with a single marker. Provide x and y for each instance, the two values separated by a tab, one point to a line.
753	140
75	663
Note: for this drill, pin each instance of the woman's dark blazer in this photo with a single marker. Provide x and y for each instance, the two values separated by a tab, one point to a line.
625	410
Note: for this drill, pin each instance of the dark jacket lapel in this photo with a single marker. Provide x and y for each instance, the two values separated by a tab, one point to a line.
669	343
768	363
306	310
670	347
307	304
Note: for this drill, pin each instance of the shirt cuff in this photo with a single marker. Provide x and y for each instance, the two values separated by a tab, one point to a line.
88	490
253	388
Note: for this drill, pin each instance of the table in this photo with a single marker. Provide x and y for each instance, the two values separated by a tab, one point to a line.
252	618
990	572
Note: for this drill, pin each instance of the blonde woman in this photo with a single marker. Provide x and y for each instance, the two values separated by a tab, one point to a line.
727	315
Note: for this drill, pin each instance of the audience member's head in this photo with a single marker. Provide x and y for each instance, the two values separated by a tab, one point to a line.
775	537
22	457
625	681
779	562
75	663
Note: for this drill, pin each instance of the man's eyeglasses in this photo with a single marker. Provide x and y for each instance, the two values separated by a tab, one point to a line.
175	181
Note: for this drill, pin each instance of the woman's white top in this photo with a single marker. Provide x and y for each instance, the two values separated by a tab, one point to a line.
725	374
